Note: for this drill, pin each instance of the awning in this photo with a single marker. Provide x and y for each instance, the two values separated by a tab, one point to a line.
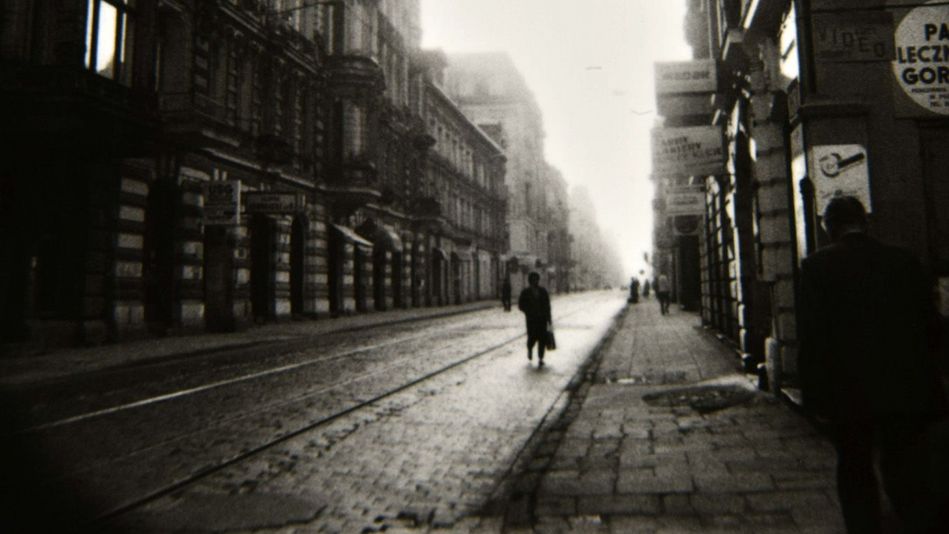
387	237
350	235
439	252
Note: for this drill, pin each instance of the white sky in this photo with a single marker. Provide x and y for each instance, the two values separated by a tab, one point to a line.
590	65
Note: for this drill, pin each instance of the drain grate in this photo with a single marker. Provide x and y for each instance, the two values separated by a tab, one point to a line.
703	399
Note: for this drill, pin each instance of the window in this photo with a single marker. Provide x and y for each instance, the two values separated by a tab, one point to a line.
110	32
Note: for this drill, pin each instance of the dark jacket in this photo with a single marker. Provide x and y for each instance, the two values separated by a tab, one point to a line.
536	307
866	330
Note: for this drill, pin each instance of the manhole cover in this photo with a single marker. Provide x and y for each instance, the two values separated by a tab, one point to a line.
703	399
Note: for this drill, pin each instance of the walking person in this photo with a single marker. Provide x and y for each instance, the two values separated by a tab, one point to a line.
868	327
506	293
662	293
646	288
535	303
633	290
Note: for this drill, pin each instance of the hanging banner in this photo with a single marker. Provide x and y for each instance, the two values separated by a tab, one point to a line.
688	151
840	170
921	67
222	203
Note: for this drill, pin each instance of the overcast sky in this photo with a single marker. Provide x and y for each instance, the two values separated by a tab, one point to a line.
589	62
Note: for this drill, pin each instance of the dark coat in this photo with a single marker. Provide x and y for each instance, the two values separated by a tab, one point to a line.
866	332
536	308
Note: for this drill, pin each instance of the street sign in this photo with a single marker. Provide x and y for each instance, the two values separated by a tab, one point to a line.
274	203
222	203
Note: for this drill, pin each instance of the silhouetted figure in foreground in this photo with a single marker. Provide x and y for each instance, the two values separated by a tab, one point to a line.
867	331
506	293
535	303
662	293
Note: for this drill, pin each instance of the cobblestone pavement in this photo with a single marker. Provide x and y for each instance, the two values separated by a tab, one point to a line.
668	436
427	455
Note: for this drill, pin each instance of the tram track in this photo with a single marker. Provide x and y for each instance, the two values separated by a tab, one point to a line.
104	518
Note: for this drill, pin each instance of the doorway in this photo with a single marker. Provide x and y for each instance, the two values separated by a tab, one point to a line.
262	242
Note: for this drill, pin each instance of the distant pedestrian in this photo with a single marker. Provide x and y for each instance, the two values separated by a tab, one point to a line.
506	293
868	326
633	290
646	288
662	293
535	303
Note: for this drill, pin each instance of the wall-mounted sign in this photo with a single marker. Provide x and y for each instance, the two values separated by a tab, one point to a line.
854	36
689	151
839	170
222	203
275	203
687	200
698	76
921	67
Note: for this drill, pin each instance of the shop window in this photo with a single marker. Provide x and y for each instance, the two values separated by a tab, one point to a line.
110	33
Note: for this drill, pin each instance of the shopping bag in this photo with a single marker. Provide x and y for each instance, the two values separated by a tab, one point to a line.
550	342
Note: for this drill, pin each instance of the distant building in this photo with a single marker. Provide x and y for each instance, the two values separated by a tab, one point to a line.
493	94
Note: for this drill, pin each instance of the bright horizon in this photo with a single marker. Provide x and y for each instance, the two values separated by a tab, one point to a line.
590	66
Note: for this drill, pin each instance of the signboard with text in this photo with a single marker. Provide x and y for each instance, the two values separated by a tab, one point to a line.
853	36
222	203
274	203
687	151
699	76
921	66
687	200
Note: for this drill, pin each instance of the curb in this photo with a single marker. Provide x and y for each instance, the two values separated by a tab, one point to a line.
290	342
515	495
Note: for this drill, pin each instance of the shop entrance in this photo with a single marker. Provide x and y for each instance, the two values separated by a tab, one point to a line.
297	265
218	280
159	255
262	240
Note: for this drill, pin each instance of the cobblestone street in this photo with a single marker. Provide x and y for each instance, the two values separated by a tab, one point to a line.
407	424
669	436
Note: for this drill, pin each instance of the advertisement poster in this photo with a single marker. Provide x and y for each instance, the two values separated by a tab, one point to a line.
688	151
921	66
840	170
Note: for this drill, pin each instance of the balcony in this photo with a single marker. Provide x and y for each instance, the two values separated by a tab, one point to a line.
44	99
355	76
201	121
354	183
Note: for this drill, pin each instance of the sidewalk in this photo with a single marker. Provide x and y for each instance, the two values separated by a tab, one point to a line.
59	363
669	436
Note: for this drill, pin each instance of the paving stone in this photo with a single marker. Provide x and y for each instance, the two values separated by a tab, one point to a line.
786	500
717	503
735	482
631	482
618	504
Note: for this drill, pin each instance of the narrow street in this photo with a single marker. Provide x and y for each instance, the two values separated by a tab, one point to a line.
411	422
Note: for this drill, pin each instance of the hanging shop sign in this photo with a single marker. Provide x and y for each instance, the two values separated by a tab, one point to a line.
921	67
839	170
688	151
274	203
855	36
222	203
699	76
688	200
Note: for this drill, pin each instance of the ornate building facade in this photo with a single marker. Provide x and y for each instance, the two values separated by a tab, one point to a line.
179	165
